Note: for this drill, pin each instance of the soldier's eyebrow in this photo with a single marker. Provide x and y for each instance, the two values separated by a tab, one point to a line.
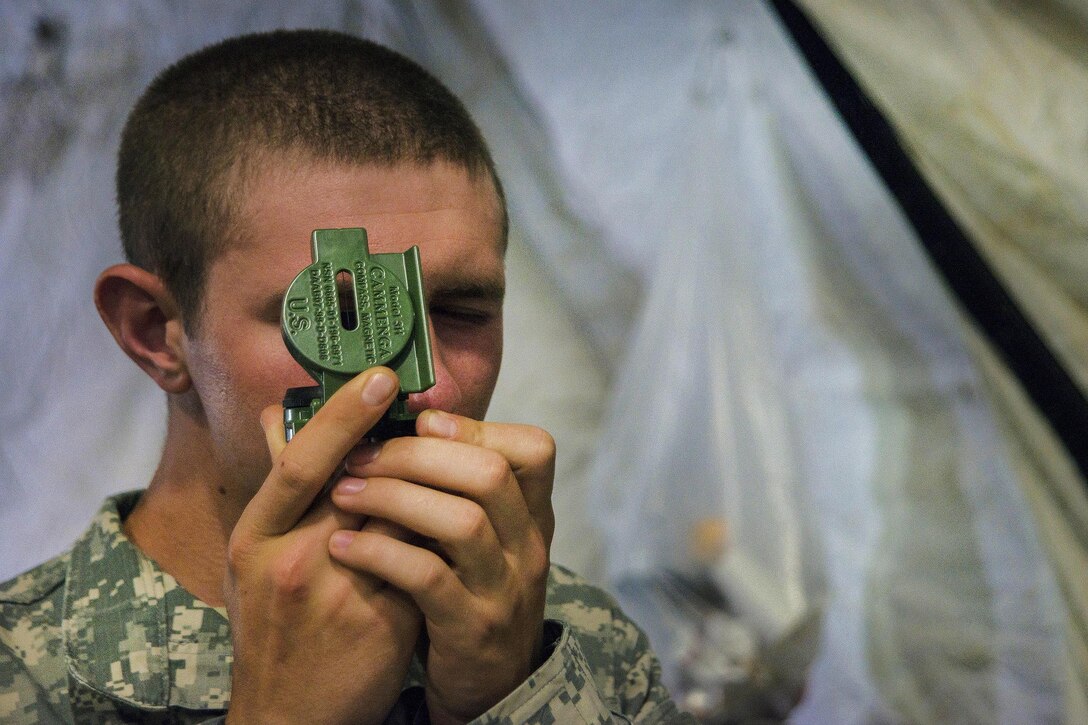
480	291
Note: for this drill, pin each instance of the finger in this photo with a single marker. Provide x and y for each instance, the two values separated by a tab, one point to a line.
367	583
479	474
274	436
387	528
460	526
302	468
529	450
326	517
421	573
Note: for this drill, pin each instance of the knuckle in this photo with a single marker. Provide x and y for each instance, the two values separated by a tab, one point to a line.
538	562
292	472
494	471
472	523
239	552
534	560
546	524
289	575
488	625
431	573
541	445
341	597
487	620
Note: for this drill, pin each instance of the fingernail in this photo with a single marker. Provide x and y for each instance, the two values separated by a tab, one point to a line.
351	485
365	453
378	388
341	539
441	425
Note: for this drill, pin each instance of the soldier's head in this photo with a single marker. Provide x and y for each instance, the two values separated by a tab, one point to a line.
230	160
205	128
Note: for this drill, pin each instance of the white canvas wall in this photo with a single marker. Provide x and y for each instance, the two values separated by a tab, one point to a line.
714	306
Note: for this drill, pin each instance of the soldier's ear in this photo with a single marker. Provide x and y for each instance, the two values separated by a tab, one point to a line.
144	319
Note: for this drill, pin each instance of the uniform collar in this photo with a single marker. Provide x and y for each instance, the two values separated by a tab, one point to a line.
131	633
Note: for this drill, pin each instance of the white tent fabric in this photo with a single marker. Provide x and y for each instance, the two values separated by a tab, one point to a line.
994	114
714	306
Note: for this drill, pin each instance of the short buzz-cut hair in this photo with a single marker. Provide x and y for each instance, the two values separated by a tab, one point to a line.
204	121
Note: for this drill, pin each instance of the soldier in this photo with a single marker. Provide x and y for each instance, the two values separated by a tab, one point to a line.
237	585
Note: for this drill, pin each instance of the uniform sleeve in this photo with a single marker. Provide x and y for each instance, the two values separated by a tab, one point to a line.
570	687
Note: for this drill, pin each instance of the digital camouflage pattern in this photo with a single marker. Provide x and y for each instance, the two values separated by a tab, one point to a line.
101	635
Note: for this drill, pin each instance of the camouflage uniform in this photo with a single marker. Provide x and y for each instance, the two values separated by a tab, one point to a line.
101	634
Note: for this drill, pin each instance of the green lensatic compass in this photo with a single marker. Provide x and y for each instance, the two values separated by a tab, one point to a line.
351	310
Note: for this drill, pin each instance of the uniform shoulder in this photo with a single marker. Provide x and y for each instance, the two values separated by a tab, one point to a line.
36	584
33	674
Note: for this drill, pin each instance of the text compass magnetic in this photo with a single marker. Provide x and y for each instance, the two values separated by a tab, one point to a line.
351	310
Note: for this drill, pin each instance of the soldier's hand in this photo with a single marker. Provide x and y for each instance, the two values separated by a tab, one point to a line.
314	641
479	497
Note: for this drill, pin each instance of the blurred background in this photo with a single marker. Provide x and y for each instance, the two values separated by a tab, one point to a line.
784	446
